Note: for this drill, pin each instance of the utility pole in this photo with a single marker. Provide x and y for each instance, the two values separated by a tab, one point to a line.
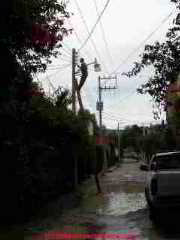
73	80
75	89
100	89
100	103
100	109
74	59
119	141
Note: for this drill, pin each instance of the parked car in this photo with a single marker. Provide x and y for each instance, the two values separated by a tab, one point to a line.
162	187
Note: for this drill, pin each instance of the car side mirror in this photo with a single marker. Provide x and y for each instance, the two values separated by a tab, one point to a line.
154	166
144	167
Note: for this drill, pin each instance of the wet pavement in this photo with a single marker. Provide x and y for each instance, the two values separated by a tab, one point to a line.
119	211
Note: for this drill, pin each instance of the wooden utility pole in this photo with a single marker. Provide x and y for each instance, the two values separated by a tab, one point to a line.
73	80
74	111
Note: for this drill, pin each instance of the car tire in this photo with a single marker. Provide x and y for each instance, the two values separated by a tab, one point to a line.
147	198
152	210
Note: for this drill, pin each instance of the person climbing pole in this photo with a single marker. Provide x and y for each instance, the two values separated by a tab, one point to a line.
84	73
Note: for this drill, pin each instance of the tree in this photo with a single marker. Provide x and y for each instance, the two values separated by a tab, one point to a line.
31	33
130	136
165	58
31	30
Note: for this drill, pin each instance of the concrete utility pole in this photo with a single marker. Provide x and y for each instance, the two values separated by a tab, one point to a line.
100	109
100	103
119	141
100	89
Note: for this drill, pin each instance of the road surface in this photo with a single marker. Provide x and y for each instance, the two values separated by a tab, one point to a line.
120	211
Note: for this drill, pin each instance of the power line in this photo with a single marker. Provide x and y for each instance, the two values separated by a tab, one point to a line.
65	59
78	38
59	70
68	56
103	34
115	117
53	87
126	121
94	27
142	43
61	59
87	29
110	114
59	67
112	119
66	50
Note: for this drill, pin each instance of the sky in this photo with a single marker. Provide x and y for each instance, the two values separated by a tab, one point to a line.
118	38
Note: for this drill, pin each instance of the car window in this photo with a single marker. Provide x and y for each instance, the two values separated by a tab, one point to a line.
169	162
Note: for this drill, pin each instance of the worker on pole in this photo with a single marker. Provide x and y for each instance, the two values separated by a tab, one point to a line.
84	73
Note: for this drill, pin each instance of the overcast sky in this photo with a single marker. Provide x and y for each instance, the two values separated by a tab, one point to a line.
126	24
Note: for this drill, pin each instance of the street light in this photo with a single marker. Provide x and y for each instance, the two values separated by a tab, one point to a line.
97	66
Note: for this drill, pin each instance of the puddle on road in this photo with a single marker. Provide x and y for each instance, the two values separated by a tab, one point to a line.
122	203
116	200
121	209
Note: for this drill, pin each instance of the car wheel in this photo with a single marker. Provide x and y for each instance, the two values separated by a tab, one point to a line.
152	213
147	198
152	210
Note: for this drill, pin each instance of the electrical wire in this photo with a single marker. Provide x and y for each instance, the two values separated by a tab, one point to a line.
103	34
66	56
65	59
126	122
117	117
94	27
78	38
66	50
57	72
53	87
120	117
142	43
89	33
114	119
59	67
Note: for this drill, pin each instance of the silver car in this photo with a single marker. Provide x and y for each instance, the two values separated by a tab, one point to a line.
162	187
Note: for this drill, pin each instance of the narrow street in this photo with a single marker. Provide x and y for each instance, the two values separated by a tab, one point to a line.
120	209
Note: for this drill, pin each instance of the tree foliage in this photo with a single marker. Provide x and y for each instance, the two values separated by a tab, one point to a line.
38	136
31	33
147	141
165	58
31	30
